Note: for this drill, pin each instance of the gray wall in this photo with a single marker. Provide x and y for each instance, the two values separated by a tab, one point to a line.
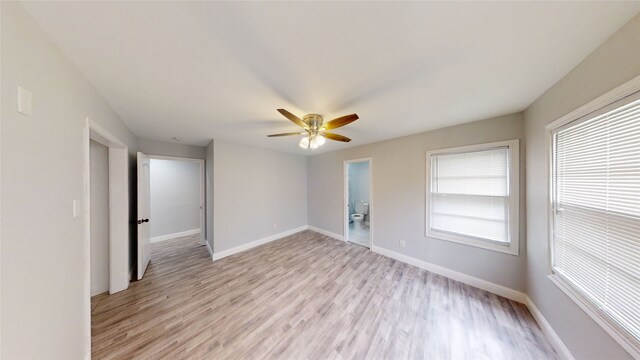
612	64
257	193
163	148
45	307
209	192
398	198
99	185
175	196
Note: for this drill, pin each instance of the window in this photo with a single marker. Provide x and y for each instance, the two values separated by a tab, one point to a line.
595	202
472	195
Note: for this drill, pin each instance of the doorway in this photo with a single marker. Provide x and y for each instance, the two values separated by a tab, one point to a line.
177	198
106	200
358	202
171	199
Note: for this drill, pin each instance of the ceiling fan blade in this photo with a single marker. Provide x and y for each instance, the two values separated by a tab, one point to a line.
293	118
335	137
286	134
341	121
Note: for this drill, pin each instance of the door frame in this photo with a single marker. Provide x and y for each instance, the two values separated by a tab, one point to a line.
119	272
203	220
345	204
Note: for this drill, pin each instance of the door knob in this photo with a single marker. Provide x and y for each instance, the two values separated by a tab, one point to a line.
143	221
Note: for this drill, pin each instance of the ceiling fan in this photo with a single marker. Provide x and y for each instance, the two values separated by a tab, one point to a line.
315	131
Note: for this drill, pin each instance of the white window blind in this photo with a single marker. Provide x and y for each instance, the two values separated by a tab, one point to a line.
469	194
596	212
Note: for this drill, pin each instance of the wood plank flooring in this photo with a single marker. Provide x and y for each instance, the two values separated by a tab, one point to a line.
306	296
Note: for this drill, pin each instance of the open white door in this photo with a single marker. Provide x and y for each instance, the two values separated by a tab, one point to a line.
144	205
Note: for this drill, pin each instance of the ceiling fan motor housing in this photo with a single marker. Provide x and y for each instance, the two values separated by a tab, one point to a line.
314	121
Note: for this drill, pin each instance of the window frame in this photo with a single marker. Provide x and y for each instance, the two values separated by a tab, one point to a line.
513	158
609	101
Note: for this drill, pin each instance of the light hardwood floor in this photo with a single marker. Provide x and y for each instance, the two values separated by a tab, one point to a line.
359	236
306	296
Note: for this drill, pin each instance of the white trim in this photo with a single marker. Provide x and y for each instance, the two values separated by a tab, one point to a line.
591	108
601	319
206	242
119	226
118	217
86	244
596	104
175	235
345	202
512	248
557	343
548	175
247	246
494	288
327	233
500	290
203	202
345	214
177	158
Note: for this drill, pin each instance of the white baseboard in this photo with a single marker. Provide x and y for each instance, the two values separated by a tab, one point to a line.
503	291
328	233
494	288
500	290
560	347
175	235
206	242
247	246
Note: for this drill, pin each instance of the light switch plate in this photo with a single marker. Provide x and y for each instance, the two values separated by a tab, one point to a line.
25	101
76	208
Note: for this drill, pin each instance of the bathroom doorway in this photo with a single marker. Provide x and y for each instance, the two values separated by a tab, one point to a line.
358	201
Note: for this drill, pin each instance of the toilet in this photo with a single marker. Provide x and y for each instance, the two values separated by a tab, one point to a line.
362	208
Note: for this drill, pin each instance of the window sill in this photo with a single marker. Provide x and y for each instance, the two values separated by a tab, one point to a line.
615	331
507	248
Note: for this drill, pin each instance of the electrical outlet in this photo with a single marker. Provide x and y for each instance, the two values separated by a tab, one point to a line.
275	226
403	244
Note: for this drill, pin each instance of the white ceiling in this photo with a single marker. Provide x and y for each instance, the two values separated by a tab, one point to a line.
220	70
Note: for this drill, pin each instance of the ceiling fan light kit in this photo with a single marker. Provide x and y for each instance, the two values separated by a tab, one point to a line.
315	130
312	141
